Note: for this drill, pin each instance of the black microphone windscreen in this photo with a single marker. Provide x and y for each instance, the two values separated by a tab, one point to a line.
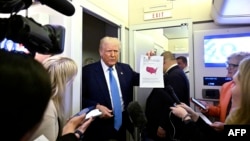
172	94
10	6
136	114
62	6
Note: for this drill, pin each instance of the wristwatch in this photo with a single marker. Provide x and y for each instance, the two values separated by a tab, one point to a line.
188	121
81	135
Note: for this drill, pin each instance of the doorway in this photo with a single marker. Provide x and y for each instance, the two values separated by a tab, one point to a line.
95	28
175	36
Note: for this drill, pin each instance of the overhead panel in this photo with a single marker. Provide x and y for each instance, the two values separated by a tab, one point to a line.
176	32
231	11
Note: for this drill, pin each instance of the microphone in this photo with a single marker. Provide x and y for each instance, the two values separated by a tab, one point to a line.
172	94
137	115
62	6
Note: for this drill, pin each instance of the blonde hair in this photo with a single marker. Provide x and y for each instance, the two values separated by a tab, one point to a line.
241	114
62	70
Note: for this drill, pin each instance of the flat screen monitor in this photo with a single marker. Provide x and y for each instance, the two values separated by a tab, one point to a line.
9	45
218	47
215	81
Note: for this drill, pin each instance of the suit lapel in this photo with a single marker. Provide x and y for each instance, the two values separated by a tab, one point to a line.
101	82
120	74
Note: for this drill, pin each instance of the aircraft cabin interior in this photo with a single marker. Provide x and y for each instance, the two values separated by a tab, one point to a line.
204	31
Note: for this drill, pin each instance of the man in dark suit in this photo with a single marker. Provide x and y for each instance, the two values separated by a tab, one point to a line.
96	92
161	124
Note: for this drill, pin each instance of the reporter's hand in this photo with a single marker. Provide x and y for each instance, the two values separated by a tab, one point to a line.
73	123
218	126
206	105
82	128
161	132
106	112
179	111
194	115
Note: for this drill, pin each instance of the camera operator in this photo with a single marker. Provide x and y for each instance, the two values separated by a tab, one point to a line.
26	84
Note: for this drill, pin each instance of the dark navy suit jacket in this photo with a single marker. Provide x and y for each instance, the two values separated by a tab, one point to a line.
158	103
180	83
95	91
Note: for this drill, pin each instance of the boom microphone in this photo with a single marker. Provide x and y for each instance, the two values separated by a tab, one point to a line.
136	114
172	94
62	6
10	6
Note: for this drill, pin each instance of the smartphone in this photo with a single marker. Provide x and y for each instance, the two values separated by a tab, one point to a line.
93	113
90	112
205	119
84	111
198	103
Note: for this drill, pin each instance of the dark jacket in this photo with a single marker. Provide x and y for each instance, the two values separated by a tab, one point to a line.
68	137
180	83
95	91
200	131
159	102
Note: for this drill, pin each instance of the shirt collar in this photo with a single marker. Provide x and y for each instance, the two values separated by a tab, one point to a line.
105	67
171	67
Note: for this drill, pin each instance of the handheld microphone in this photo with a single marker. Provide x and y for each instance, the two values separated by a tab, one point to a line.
62	6
136	114
172	94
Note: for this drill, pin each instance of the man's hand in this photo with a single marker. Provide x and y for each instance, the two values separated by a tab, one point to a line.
150	53
106	112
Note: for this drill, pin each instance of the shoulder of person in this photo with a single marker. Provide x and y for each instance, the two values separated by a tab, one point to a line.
51	111
228	84
123	65
91	66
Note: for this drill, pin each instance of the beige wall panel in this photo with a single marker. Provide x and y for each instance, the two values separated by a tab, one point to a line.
116	8
197	10
178	45
201	10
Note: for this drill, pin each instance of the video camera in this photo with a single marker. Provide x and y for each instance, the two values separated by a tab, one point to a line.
47	39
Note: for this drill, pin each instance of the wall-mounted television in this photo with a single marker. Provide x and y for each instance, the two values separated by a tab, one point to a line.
9	45
218	47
